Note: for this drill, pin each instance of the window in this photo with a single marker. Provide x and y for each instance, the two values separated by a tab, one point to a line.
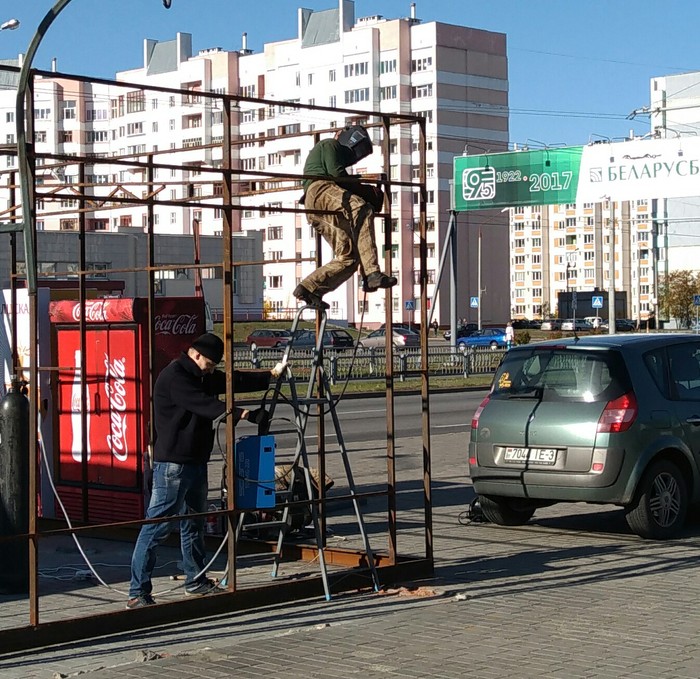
310	79
68	110
95	136
359	68
331	76
424	64
588	238
274	232
135	101
65	137
422	91
248	90
10	117
274	282
387	66
10	139
134	128
40	136
387	92
332	101
354	96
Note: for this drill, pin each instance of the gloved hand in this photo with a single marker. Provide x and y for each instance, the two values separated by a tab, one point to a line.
261	417
280	368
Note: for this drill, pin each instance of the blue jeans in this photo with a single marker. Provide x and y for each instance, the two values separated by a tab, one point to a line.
177	489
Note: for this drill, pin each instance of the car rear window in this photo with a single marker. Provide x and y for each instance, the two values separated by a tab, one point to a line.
560	373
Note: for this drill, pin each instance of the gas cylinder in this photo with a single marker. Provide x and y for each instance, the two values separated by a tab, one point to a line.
14	482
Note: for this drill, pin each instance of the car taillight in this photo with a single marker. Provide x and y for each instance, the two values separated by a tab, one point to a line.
478	411
619	414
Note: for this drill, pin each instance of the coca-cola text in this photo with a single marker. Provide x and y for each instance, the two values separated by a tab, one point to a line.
115	388
176	324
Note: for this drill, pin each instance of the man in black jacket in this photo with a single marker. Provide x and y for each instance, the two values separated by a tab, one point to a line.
185	404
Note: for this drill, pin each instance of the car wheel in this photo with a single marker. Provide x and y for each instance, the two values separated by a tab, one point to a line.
505	511
660	504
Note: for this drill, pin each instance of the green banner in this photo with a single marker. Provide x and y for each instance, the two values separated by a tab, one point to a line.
546	177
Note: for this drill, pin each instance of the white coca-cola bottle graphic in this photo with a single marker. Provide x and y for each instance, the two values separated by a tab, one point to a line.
76	418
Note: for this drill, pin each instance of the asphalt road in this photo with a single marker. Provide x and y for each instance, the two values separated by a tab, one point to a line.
364	419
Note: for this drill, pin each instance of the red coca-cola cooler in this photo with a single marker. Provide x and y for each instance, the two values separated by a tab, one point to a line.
117	397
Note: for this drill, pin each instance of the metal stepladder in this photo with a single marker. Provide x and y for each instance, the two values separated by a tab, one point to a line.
300	460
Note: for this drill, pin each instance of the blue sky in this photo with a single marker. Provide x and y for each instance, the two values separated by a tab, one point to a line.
576	68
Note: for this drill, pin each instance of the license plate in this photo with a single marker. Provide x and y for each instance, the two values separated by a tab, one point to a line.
531	455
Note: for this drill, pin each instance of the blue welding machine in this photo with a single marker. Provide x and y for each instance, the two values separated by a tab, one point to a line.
255	472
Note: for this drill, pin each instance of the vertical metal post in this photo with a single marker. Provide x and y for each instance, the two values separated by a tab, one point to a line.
425	386
478	278
84	443
231	499
611	289
389	365
151	284
453	280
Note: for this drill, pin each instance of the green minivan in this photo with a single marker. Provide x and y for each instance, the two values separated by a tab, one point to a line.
599	419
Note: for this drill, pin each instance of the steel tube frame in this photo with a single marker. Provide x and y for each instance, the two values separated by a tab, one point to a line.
396	566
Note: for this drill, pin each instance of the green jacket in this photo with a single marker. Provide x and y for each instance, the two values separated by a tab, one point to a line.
328	158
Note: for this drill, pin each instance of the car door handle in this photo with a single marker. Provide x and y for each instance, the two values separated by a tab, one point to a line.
694	420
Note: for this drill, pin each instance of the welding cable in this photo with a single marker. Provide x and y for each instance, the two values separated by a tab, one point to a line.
87	561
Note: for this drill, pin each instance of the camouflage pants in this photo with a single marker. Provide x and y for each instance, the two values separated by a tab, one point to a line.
348	228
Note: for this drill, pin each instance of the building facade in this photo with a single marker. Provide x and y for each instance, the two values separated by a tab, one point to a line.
560	249
455	77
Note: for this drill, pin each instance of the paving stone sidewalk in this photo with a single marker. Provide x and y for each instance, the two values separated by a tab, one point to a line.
572	594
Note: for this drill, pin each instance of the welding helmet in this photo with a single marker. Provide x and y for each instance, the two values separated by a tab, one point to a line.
356	138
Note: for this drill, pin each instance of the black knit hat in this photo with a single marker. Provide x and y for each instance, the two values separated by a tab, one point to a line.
209	345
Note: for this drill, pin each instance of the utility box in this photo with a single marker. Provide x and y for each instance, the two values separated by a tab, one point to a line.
255	472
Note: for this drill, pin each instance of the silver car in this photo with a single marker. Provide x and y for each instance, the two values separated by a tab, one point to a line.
598	419
402	337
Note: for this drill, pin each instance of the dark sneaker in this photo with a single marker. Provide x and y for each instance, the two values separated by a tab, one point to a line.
378	280
141	601
202	588
310	298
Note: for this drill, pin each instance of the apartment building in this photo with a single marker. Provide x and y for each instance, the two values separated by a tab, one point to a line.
455	77
674	112
561	249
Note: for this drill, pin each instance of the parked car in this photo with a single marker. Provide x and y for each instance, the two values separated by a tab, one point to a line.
488	337
268	338
332	339
526	324
463	330
598	419
550	324
576	324
621	325
595	321
401	338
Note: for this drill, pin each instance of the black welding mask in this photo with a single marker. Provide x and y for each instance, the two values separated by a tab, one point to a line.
356	138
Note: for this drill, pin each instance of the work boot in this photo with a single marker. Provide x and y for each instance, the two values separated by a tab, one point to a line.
310	298
378	280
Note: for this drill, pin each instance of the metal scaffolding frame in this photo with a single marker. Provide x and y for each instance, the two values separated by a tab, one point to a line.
391	566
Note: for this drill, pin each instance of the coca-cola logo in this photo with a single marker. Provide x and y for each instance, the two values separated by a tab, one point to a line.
94	311
176	324
115	388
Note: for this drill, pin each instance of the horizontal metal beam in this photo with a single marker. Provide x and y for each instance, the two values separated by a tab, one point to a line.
89	627
11	227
